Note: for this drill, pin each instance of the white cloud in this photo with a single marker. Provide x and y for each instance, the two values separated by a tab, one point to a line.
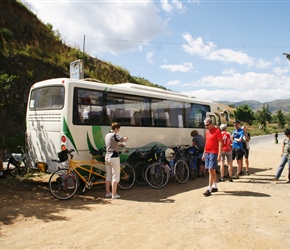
237	87
149	57
186	67
236	95
229	71
281	71
108	26
174	83
174	5
209	52
197	46
263	64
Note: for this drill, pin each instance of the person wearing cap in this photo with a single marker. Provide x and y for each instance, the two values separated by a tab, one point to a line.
212	154
246	149
237	150
226	153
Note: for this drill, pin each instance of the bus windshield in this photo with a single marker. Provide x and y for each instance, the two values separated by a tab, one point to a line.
47	98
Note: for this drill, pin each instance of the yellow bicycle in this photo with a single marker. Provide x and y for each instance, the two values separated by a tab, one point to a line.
64	182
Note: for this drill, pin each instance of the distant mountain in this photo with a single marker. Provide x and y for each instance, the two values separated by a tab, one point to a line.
274	106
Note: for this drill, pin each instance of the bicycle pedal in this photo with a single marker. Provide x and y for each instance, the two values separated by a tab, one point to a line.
89	185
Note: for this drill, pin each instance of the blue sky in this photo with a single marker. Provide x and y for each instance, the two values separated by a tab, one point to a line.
213	50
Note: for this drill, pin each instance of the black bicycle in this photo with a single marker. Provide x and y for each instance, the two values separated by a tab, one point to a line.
16	165
140	160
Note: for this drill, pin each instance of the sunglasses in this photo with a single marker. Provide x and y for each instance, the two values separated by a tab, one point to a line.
206	125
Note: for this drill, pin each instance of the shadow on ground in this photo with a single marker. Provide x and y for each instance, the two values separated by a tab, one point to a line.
31	197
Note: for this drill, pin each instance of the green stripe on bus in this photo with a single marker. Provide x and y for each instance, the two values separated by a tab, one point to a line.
98	137
68	134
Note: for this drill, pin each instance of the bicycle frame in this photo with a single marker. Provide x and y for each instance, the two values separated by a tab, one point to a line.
76	166
64	182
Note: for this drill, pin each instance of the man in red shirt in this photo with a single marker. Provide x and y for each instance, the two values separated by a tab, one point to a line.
212	154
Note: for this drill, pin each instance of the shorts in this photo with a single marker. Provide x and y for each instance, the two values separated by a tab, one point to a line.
246	153
237	153
113	169
227	155
210	161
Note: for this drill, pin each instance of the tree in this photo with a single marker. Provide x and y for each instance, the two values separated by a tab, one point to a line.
12	117
263	116
281	119
245	114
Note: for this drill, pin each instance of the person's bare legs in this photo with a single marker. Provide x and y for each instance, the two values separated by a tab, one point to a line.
108	185
222	169
247	164
114	188
242	165
212	177
230	170
239	166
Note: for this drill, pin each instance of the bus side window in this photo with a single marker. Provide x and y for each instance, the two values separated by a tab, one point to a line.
127	118
117	115
146	119
163	120
138	118
80	118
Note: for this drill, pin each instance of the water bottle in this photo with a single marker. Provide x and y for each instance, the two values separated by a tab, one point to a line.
167	167
171	163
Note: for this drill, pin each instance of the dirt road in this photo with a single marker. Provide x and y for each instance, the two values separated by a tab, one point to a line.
250	213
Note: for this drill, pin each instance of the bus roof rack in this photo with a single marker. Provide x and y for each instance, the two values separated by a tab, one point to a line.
91	80
151	89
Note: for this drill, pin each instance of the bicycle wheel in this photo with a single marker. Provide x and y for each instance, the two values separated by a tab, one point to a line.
18	170
63	185
140	169
181	171
127	176
157	175
24	168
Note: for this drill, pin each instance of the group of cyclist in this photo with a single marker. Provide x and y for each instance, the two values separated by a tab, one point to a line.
219	146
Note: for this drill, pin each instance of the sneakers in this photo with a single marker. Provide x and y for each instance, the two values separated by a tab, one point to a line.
274	179
207	193
241	173
108	195
230	179
213	190
221	179
247	173
236	176
116	196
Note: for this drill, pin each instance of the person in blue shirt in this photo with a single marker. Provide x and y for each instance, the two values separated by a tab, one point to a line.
237	137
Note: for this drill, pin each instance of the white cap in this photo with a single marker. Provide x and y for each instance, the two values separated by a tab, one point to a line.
223	126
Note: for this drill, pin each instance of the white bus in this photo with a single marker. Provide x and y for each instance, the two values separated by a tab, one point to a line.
77	114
